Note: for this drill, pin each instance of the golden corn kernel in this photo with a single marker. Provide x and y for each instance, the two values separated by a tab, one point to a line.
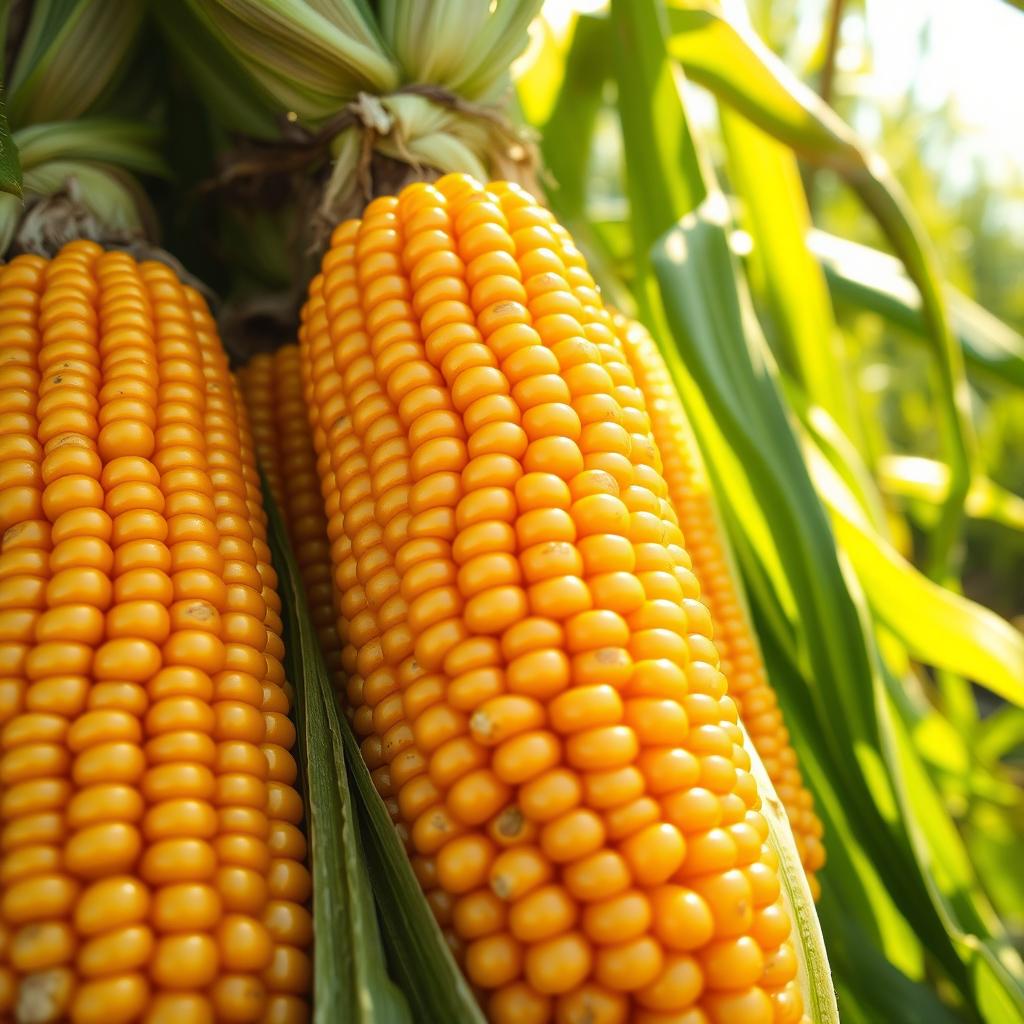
133	576
531	671
721	607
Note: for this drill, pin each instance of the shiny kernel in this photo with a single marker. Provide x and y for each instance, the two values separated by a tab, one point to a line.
116	951
603	747
116	1000
518	1003
575	834
103	849
558	965
244	944
188	960
628	966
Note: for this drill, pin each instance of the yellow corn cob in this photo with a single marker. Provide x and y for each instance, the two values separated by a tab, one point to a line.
274	394
150	861
542	711
742	664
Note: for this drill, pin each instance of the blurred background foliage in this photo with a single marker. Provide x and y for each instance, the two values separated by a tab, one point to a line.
927	85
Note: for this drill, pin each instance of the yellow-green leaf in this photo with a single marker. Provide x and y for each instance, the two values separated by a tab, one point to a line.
743	73
938	626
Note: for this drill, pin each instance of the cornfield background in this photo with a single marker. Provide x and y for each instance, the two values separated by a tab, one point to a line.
844	326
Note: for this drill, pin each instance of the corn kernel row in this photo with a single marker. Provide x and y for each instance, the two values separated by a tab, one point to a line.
741	659
143	711
531	671
275	396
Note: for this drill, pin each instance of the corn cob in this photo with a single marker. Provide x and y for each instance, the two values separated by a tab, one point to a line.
737	645
150	864
275	396
544	712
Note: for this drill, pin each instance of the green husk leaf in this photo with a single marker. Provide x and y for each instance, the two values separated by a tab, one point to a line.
466	47
112	201
431	40
10	165
814	974
428	974
346	929
351	982
502	39
744	74
310	63
71	55
128	144
235	98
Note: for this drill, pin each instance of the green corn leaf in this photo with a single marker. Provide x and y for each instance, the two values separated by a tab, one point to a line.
10	165
566	141
568	133
744	74
872	280
909	476
938	626
994	968
350	976
349	871
871	988
665	178
992	834
1000	734
766	177
841	452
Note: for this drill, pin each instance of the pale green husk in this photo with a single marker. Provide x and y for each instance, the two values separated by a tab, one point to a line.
77	163
326	66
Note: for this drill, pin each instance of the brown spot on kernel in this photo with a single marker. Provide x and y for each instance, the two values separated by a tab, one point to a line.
510	822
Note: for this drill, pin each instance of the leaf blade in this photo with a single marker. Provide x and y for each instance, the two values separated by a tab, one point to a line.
10	165
345	923
743	73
